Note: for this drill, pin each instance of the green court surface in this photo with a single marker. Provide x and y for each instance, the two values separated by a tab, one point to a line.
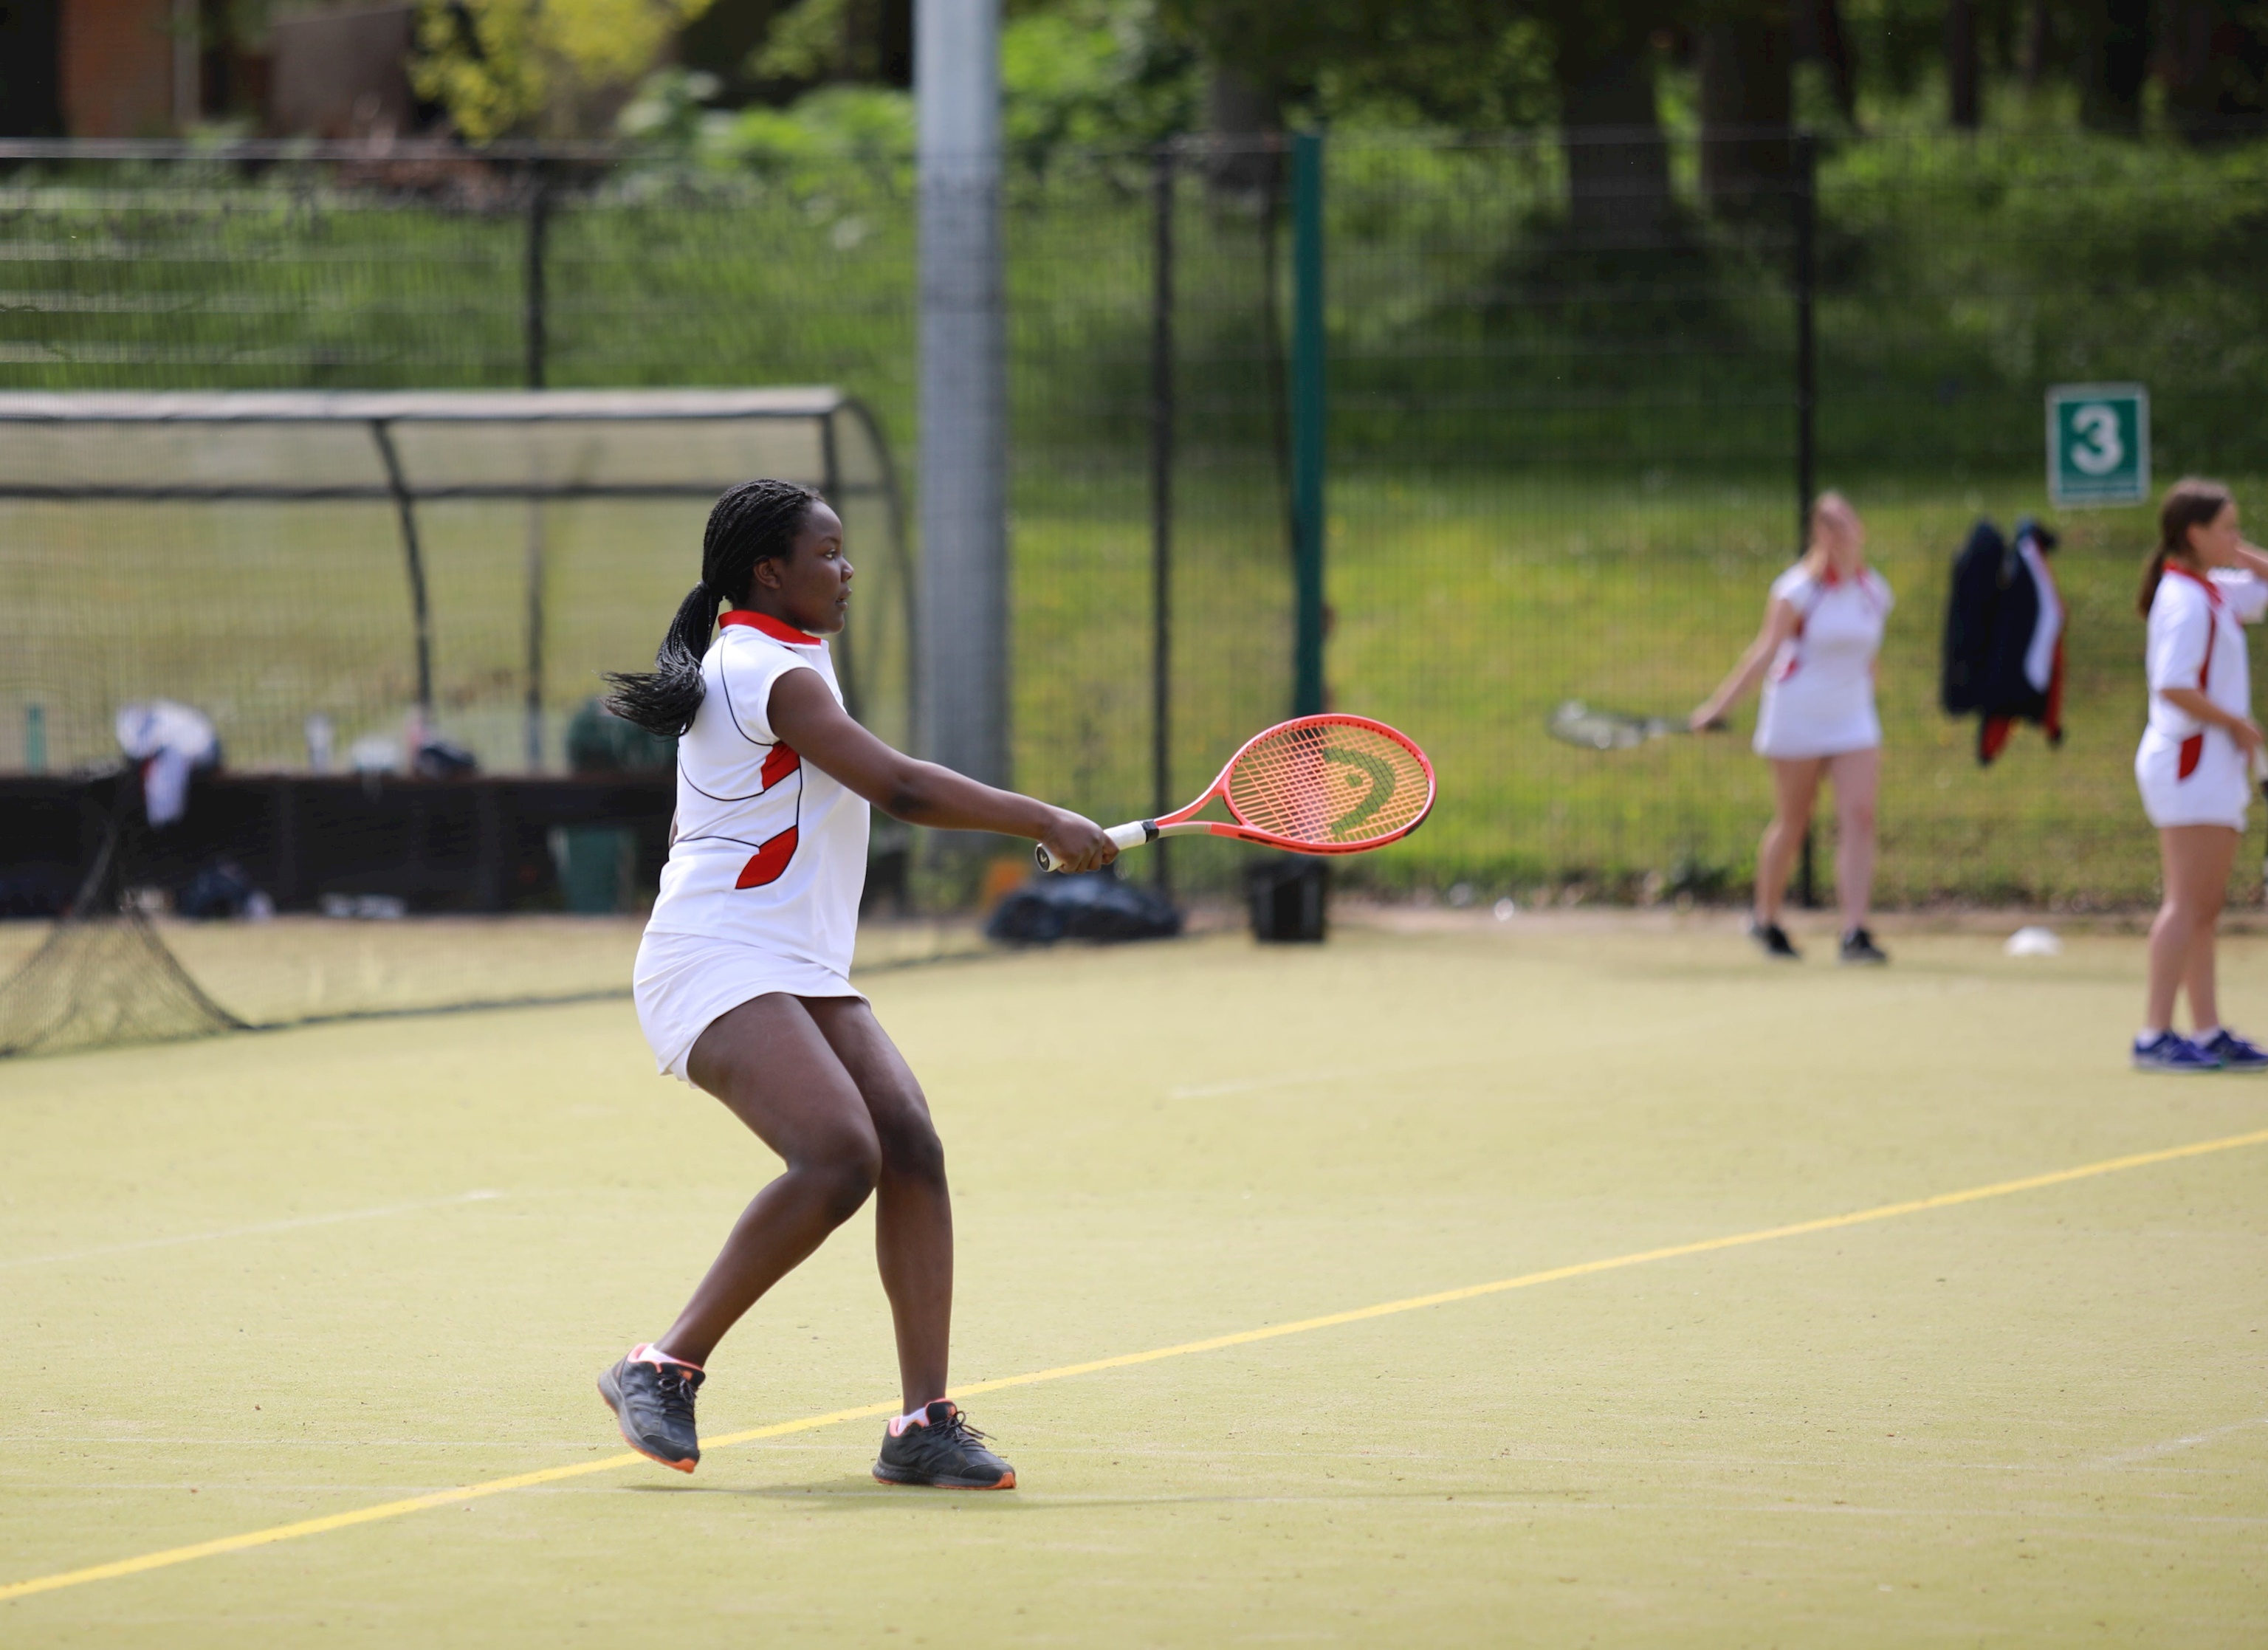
275	1276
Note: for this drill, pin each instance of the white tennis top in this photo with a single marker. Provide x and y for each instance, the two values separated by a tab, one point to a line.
770	852
2197	640
1819	693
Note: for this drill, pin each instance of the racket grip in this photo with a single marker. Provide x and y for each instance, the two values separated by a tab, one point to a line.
1129	835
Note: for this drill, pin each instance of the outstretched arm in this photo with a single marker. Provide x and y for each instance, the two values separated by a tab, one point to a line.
1779	624
805	715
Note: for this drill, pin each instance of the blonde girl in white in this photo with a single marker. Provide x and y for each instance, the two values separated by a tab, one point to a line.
1817	657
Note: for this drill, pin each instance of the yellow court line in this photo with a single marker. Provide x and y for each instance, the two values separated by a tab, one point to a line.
1245	1338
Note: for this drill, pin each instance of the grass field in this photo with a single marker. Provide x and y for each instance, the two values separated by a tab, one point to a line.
1544	484
268	1279
1468	605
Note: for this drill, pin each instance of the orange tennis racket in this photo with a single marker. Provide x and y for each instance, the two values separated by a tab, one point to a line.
1318	785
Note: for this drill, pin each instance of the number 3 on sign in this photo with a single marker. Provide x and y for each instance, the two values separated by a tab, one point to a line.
2098	450
2098	443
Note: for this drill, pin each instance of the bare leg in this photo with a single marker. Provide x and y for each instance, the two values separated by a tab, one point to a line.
1857	775
1795	785
913	1208
2197	860
768	1061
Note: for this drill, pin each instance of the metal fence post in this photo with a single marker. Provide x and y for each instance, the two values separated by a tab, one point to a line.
532	292
962	397
1805	205
1161	508
536	341
1309	409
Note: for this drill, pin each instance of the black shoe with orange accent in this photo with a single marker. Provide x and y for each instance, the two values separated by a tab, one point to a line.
652	1403
941	1449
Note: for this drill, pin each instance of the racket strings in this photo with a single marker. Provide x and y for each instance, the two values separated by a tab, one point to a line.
1330	784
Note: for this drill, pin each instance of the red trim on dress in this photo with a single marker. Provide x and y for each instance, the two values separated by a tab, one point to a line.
768	861
778	629
782	762
2192	749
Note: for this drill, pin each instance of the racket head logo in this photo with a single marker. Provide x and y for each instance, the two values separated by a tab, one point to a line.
1316	785
1329	783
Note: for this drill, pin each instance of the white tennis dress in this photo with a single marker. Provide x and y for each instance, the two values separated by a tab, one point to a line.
1819	693
2190	774
769	859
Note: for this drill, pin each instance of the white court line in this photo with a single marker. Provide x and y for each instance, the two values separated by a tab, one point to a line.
256	1231
1286	1080
2173	1445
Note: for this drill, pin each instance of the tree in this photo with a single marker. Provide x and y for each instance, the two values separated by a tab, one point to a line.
1748	102
1611	123
2216	67
1963	87
2116	64
812	40
1474	63
1820	38
557	68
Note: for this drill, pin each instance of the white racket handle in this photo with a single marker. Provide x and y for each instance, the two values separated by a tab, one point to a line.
1133	835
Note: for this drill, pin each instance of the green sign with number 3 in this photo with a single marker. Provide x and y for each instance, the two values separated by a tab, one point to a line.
2098	445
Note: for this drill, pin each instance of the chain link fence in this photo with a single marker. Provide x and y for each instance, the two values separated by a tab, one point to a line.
1577	394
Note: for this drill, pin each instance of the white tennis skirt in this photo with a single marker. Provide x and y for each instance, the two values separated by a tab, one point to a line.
2217	790
1798	723
683	983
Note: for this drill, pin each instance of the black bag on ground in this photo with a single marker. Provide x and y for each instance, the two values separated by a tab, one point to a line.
1089	905
217	889
1290	897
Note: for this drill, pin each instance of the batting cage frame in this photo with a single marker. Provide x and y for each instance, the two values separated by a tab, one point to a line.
105	976
416	455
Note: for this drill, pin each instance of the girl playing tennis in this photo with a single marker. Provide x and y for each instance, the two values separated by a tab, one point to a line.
742	981
2201	586
1817	656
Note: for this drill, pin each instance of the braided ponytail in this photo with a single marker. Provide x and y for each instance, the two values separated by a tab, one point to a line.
753	522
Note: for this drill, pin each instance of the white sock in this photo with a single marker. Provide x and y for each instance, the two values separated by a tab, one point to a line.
2149	1034
2204	1033
653	1353
911	1418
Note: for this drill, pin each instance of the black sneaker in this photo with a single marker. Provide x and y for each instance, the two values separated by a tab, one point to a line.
942	1449
1772	940
1858	947
654	1405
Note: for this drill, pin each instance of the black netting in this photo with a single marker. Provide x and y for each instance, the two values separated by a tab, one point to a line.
103	978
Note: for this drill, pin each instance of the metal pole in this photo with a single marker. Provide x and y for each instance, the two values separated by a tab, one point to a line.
533	715
539	218
532	294
1806	360
1162	509
962	400
845	647
413	555
188	67
1308	420
1807	401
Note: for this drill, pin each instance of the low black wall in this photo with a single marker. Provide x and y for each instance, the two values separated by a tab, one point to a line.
473	844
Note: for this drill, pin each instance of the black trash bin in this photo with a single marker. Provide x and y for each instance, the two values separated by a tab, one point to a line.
1289	894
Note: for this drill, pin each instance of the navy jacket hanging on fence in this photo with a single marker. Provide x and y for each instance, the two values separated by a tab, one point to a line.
2004	625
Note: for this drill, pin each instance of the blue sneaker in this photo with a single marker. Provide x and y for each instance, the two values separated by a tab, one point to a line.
2233	1052
2170	1051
